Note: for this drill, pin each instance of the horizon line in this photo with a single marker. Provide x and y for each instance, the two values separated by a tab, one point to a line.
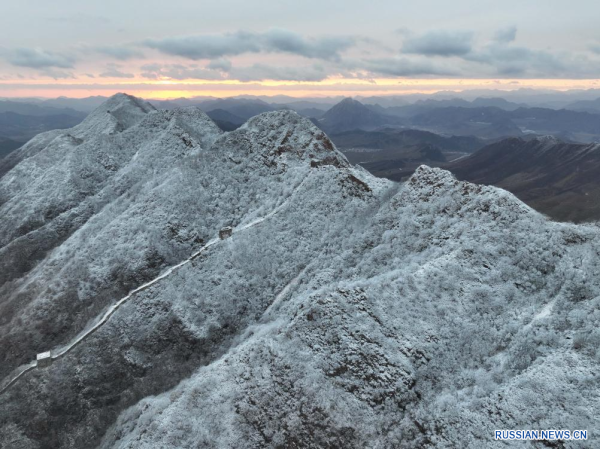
173	89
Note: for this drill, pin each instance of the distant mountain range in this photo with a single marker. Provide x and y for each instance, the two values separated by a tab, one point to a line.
487	119
488	122
21	127
350	114
559	179
8	145
503	99
394	164
484	118
38	110
424	106
225	119
393	153
240	107
492	122
592	106
577	125
390	139
85	105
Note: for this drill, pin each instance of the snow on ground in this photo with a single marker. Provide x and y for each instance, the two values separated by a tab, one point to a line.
359	313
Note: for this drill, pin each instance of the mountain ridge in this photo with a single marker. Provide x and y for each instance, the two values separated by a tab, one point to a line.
557	178
356	302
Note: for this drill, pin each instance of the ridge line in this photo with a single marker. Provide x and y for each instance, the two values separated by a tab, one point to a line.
112	309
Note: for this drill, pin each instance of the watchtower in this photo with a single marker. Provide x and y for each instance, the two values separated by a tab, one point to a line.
225	232
44	359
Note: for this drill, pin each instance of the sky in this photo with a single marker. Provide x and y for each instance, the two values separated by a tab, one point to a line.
186	48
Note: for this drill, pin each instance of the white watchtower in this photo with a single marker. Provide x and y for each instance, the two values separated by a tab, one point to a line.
44	359
225	232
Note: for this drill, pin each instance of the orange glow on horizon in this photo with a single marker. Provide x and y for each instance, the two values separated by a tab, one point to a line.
170	88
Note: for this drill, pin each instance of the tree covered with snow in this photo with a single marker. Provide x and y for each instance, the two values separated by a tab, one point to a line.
353	312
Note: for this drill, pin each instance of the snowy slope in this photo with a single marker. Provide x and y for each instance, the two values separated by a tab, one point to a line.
345	310
561	180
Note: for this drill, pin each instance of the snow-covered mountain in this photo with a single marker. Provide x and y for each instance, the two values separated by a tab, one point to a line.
344	310
557	178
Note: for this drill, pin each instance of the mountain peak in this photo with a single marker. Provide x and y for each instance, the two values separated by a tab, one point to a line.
116	114
547	139
349	100
124	106
351	114
425	176
279	117
449	196
349	103
285	133
196	123
280	138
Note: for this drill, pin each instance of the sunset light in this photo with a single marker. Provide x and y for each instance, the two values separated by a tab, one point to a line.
169	88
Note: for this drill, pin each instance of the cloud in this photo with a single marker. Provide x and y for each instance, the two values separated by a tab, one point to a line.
277	40
502	58
180	72
122	53
57	74
506	35
403	31
81	19
439	43
499	57
205	47
595	48
225	71
261	72
509	60
114	71
402	66
151	71
213	46
39	59
224	65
